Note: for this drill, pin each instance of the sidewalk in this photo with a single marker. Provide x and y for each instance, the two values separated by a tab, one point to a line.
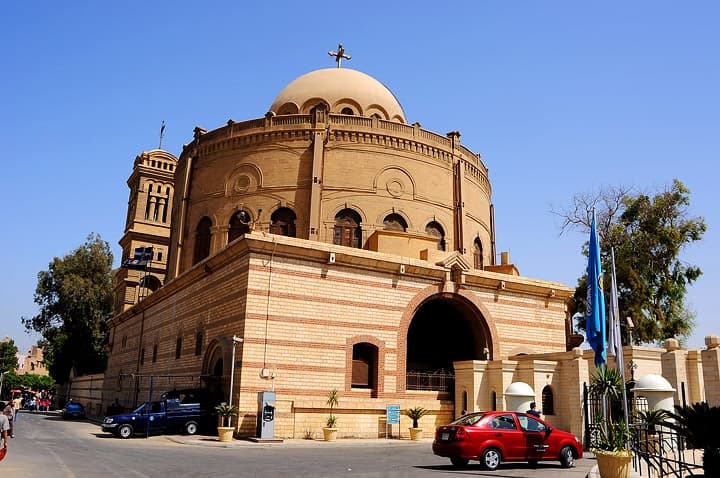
584	468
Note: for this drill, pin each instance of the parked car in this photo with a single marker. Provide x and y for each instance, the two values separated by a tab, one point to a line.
498	436
169	414
73	410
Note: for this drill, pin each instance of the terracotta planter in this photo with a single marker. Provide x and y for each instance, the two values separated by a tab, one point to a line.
330	434
613	464
225	433
416	433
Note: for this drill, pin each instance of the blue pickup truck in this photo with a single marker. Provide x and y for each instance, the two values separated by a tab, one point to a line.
162	416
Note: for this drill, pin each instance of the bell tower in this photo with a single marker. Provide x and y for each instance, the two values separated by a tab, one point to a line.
147	228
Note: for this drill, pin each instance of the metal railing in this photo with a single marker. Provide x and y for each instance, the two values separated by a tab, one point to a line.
440	380
662	452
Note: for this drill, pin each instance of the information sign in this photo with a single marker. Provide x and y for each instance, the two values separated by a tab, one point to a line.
393	414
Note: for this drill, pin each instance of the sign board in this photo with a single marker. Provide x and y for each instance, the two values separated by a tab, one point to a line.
393	414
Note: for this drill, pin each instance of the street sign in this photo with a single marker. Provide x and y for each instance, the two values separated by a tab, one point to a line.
393	414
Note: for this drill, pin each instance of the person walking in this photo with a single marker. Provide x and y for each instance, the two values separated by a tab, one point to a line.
4	428
9	412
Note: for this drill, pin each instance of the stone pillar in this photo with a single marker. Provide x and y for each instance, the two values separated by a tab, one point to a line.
674	368
711	369
695	389
500	375
569	400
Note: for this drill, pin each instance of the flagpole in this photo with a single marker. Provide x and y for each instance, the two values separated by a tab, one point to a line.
615	331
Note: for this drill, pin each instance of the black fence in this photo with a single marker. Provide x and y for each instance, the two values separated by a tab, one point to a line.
658	451
440	381
662	452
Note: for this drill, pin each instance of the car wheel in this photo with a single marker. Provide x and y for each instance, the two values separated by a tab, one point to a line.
459	462
191	428
491	459
567	458
125	431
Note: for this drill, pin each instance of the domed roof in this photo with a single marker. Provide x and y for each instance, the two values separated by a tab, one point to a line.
653	383
520	389
340	89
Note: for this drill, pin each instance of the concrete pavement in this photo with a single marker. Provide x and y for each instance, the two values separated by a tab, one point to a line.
584	468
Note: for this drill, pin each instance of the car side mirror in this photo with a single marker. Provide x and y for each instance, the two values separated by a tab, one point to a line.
548	431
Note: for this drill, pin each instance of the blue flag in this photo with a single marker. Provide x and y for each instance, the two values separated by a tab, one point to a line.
595	315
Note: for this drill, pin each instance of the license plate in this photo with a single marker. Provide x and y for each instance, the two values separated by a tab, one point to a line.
445	437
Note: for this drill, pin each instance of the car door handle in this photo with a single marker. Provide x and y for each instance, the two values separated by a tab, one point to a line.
498	434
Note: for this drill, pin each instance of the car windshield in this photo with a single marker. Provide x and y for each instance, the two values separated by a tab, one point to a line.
141	408
470	419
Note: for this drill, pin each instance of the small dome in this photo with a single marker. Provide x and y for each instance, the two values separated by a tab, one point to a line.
520	389
652	383
345	91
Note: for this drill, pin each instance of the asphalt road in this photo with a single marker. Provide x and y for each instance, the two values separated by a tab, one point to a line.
48	446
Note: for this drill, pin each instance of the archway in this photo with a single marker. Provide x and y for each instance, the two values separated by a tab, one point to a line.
443	330
213	374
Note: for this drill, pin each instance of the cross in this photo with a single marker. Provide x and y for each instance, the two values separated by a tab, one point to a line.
339	54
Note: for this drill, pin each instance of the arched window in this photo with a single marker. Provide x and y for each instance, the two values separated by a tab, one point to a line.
149	283
477	254
347	231
178	347
202	240
364	365
198	342
394	222
282	222
347	111
548	402
436	230
239	225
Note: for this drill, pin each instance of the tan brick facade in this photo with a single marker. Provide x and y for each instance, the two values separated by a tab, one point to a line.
344	247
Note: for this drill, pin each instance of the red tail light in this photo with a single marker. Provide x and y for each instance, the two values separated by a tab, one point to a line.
460	433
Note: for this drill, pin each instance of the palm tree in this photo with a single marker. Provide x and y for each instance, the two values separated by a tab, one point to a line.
698	424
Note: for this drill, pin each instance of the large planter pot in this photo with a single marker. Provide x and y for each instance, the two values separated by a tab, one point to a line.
613	464
330	434
225	433
416	433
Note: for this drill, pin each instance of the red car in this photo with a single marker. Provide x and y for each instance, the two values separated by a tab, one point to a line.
495	437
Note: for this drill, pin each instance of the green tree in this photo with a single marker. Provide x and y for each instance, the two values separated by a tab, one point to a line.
8	356
648	234
75	299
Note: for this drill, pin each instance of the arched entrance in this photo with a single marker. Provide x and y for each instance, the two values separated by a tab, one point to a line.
442	331
213	374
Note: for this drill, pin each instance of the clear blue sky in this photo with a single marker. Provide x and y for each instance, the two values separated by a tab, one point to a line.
559	97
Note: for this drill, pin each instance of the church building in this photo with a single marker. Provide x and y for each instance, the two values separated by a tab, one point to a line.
331	244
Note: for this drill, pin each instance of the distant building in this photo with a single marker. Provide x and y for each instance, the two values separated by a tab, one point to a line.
32	362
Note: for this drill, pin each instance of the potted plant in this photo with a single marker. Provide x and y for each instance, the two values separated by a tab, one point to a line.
415	414
613	456
330	429
225	414
698	424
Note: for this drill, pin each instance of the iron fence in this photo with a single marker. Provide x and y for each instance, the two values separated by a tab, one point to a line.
440	380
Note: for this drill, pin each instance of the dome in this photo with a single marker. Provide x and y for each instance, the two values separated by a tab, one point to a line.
652	383
343	90
519	389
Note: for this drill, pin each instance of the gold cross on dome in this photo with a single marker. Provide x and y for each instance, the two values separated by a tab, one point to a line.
339	54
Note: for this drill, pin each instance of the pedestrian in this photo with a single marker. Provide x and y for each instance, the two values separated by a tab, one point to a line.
9	412
533	411
4	428
17	404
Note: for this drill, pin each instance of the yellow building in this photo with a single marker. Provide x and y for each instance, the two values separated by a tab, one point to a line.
348	250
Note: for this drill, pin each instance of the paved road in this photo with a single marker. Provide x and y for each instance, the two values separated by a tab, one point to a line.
46	445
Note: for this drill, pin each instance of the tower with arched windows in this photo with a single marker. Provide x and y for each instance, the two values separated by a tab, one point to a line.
147	225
